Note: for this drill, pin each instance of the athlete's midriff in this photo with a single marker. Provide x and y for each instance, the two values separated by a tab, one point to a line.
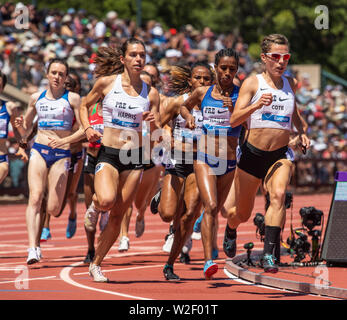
44	135
218	146
268	139
118	138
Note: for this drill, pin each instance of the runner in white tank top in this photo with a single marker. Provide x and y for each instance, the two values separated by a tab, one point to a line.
147	187
267	102
277	115
48	167
122	111
119	166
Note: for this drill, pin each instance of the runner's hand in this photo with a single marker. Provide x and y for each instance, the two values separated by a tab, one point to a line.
19	121
228	103
265	100
92	135
22	154
55	142
190	122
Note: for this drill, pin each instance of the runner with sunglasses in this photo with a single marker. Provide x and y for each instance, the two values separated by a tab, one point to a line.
267	102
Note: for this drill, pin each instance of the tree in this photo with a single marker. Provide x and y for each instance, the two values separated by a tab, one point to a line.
251	19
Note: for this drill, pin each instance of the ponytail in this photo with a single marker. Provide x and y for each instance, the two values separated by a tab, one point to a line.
180	76
108	62
108	59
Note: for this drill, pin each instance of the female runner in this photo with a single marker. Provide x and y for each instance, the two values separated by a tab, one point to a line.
216	156
180	200
127	101
267	102
56	108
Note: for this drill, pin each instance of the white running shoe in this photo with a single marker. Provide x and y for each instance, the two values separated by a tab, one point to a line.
123	244
38	252
103	220
187	246
95	272
139	227
32	256
91	218
168	243
196	235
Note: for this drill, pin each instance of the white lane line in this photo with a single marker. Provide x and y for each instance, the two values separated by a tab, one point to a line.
123	269
65	276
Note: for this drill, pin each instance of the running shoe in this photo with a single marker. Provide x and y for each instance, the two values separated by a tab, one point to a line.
32	256
168	243
103	220
89	257
184	258
155	202
139	227
188	245
169	274
38	252
123	244
45	235
71	228
196	235
229	243
210	269
91	218
269	263
95	272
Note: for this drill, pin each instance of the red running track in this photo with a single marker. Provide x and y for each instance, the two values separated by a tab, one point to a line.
136	274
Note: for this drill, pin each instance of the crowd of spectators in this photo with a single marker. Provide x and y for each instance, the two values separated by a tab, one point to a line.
326	115
76	35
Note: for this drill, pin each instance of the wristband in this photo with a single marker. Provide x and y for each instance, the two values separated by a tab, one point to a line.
87	129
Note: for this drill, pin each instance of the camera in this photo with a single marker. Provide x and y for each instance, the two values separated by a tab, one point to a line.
259	222
311	217
300	246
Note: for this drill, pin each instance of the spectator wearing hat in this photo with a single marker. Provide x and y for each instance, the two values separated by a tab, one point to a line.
66	29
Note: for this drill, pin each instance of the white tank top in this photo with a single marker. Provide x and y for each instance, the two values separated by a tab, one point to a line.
181	132
54	114
121	111
278	114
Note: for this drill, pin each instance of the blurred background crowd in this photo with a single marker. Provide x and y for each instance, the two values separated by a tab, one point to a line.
76	35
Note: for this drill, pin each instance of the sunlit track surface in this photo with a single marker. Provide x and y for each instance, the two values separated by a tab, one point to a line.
134	275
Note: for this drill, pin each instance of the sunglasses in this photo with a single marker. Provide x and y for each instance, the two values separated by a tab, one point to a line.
277	56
